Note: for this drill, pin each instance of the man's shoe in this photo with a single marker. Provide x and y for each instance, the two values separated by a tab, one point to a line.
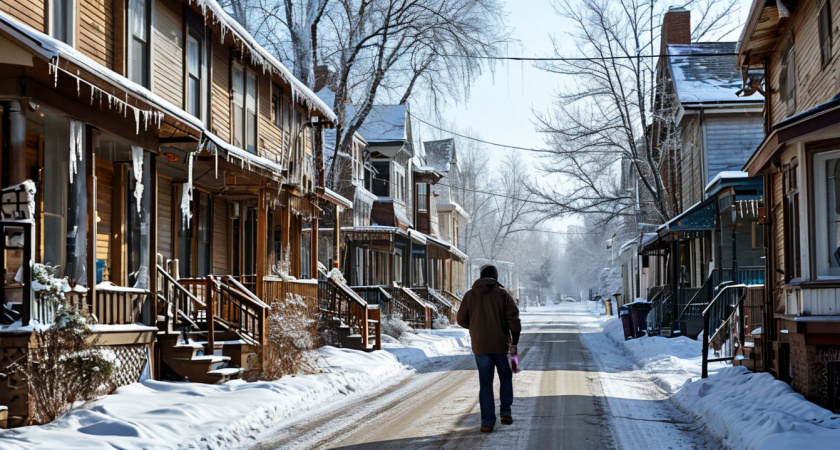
486	429
507	420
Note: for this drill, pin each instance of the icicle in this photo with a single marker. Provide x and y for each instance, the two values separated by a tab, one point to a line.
137	164
146	120
91	94
216	152
55	79
186	196
76	149
78	84
136	120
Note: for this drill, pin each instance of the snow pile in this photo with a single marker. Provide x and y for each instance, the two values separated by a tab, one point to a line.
745	409
155	414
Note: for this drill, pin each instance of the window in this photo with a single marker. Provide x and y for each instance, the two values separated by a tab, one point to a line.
793	259
358	164
62	19
787	78
197	68
422	196
827	212
138	41
244	108
382	179
277	108
824	19
399	183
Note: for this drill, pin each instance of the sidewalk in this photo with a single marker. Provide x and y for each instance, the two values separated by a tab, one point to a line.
743	409
155	414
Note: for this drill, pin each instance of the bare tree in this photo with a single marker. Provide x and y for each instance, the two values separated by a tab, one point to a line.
616	111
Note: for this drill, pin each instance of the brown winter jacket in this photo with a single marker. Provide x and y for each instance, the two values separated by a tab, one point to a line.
492	317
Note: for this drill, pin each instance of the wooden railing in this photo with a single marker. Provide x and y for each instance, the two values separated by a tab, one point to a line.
180	305
456	304
375	295
723	325
337	301
277	289
430	296
409	306
117	305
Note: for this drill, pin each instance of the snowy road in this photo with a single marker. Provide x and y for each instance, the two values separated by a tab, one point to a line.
576	391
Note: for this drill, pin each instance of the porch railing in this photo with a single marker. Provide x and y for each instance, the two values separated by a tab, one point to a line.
375	295
179	305
430	296
723	325
117	305
338	302
276	289
410	306
660	297
749	275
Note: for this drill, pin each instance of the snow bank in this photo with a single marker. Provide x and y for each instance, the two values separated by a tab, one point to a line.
744	409
155	414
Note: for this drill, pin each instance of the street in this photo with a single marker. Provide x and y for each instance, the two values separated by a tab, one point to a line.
575	391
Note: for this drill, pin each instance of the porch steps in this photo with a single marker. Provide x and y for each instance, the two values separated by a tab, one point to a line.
187	360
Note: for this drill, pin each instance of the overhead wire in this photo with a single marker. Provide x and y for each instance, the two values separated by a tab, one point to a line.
514	147
586	58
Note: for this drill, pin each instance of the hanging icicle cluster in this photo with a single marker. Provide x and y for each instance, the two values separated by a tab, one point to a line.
77	151
116	104
747	208
187	195
137	165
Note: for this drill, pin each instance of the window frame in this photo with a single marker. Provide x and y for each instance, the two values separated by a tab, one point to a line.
67	16
247	73
195	29
147	51
820	241
824	33
791	216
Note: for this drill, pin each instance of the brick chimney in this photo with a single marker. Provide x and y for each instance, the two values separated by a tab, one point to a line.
322	74
676	27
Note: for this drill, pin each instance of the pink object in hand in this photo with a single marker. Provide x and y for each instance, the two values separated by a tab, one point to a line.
514	364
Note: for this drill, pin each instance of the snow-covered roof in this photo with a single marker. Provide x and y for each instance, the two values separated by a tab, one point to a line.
336	198
439	154
708	78
385	123
726	174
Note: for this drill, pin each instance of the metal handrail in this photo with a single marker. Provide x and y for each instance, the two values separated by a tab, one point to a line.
707	312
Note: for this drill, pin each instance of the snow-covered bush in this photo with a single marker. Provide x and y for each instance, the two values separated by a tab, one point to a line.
292	330
62	368
440	322
393	325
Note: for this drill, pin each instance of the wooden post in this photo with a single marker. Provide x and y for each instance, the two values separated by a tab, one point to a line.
209	298
262	242
337	238
90	170
153	235
313	247
705	355
17	142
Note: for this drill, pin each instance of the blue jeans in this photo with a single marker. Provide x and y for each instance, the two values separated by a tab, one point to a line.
486	362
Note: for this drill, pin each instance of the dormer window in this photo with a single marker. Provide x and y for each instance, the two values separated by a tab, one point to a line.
62	19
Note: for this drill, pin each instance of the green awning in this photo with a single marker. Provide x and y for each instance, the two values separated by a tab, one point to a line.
700	217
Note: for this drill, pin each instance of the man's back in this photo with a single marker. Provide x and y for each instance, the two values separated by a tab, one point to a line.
491	315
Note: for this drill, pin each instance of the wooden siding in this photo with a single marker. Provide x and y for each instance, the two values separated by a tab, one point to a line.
815	84
164	219
29	12
221	260
168	54
220	92
730	141
271	137
104	202
96	35
691	163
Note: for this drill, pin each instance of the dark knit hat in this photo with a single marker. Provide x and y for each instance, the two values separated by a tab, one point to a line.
490	272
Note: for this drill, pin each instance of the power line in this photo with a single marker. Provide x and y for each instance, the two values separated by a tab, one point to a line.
586	58
474	139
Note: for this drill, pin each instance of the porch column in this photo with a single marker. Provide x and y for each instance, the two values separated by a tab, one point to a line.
153	223
262	241
313	244
337	238
90	166
17	142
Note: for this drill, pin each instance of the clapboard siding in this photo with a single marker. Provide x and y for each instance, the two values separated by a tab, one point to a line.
691	163
815	84
104	207
168	55
220	101
270	135
221	259
730	141
164	220
29	12
96	36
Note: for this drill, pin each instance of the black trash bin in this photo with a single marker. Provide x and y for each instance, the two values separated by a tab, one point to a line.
638	315
626	322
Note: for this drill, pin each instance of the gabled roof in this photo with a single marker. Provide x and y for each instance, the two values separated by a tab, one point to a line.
709	78
385	124
439	154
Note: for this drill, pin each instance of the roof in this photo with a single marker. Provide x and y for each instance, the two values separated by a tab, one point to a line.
384	124
439	154
708	78
699	217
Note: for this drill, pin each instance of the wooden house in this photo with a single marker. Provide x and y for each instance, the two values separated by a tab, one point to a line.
179	176
794	47
713	130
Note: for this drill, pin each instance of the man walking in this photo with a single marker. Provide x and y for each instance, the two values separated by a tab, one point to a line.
489	312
